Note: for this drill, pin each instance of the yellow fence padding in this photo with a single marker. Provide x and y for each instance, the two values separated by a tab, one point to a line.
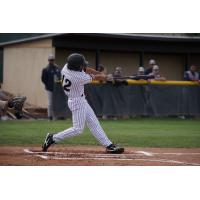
154	82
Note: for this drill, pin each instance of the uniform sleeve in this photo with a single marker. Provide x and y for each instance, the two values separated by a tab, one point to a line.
86	78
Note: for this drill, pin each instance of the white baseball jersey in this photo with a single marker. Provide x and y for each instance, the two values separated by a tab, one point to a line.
73	84
79	79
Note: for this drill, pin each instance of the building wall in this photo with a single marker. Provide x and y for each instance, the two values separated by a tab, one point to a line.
128	61
62	54
195	60
23	64
171	65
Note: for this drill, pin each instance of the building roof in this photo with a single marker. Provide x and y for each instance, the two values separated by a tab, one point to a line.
148	37
28	39
130	36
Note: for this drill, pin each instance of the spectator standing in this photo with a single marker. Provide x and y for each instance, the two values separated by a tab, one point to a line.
192	74
156	74
50	74
141	76
118	72
140	71
152	62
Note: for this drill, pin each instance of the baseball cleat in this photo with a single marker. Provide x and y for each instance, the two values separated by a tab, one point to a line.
115	149
48	142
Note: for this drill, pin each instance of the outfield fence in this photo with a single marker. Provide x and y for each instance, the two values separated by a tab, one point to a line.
138	98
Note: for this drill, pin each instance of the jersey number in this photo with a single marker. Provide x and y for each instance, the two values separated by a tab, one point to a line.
67	84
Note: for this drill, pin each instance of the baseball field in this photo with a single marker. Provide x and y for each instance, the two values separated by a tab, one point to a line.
163	141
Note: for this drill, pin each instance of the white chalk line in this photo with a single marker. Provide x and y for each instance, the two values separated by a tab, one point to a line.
41	156
168	161
78	154
178	154
145	153
27	151
31	152
49	155
126	159
88	156
94	158
111	155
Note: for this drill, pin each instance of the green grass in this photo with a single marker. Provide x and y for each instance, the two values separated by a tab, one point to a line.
135	132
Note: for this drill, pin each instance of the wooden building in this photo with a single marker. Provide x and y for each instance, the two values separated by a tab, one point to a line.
22	60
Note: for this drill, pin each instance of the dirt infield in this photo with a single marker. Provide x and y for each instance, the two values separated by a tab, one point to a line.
96	156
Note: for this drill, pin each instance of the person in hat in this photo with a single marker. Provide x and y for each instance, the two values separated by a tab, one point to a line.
50	74
152	62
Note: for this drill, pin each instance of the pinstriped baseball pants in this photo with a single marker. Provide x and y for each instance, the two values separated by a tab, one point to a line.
82	113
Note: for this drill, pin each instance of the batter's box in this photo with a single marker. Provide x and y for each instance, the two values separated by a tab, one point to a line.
82	156
136	156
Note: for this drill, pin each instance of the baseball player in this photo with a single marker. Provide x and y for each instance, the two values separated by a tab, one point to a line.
75	75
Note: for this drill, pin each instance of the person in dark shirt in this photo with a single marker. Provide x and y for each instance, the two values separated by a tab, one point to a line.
152	62
50	74
141	76
118	72
192	74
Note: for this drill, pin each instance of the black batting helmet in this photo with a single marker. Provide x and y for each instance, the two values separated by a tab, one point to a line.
75	61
